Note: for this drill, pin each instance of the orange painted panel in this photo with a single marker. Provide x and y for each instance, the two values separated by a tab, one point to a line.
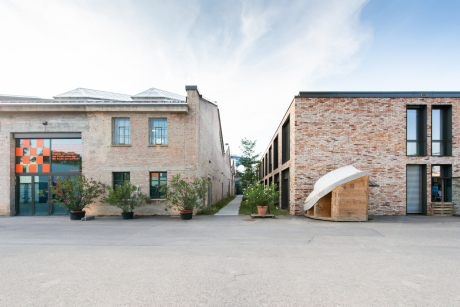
154	175
25	143
39	143
46	152
33	152
19	152
18	168
25	160
46	168
33	168
39	160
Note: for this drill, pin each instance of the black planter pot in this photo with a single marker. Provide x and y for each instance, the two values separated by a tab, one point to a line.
77	215
186	214
127	216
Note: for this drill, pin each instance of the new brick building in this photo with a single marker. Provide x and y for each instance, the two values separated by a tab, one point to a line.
146	139
409	141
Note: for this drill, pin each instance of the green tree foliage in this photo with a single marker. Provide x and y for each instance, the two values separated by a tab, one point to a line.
126	197
76	193
250	160
259	194
185	195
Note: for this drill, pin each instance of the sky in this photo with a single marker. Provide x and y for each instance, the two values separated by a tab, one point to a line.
251	57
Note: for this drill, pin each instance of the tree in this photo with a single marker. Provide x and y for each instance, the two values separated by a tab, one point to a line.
250	160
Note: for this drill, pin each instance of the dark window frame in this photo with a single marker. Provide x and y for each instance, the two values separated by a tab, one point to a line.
158	194
445	141
270	163
445	178
421	130
286	140
275	153
126	176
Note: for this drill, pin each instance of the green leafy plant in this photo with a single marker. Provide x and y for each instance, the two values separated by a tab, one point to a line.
126	197
259	194
249	159
185	195
76	193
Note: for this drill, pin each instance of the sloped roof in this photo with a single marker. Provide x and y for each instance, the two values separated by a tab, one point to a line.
155	93
85	93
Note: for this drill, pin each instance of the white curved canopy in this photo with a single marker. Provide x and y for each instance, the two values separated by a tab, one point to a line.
330	181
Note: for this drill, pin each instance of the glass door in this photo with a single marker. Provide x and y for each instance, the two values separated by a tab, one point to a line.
55	208
41	191
25	196
34	196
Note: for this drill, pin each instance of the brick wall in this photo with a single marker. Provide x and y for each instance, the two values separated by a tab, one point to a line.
368	133
193	140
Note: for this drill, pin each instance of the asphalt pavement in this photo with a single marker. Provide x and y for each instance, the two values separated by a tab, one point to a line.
229	261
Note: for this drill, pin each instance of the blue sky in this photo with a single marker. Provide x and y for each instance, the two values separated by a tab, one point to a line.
252	57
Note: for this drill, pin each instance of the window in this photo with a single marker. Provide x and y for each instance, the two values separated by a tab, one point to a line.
275	153
285	155
441	183
157	179
158	131
441	131
266	164
120	178
121	131
416	131
270	163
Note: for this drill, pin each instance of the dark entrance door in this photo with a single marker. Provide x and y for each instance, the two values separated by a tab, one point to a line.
285	189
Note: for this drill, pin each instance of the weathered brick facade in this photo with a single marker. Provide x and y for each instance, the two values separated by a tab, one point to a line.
368	133
195	146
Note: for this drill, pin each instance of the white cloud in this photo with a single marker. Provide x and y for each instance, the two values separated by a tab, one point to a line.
250	56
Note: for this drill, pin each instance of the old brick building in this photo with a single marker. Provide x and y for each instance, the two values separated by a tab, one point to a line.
146	139
407	140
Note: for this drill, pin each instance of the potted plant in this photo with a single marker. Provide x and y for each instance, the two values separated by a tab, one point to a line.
261	196
76	193
185	195
126	197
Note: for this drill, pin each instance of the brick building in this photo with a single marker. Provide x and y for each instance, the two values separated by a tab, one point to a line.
146	139
409	141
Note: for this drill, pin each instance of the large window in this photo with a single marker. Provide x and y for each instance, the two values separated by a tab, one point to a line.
48	155
416	131
270	165
285	148
441	131
121	131
275	153
158	131
157	179
119	178
441	183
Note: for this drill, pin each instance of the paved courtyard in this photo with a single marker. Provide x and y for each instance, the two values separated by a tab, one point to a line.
229	261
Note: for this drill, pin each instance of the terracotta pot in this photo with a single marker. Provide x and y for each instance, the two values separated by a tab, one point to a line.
186	214
262	210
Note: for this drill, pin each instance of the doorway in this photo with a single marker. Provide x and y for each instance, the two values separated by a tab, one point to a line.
416	189
285	189
33	195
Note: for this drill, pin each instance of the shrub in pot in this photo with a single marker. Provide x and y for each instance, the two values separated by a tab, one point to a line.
261	196
76	193
126	197
185	195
